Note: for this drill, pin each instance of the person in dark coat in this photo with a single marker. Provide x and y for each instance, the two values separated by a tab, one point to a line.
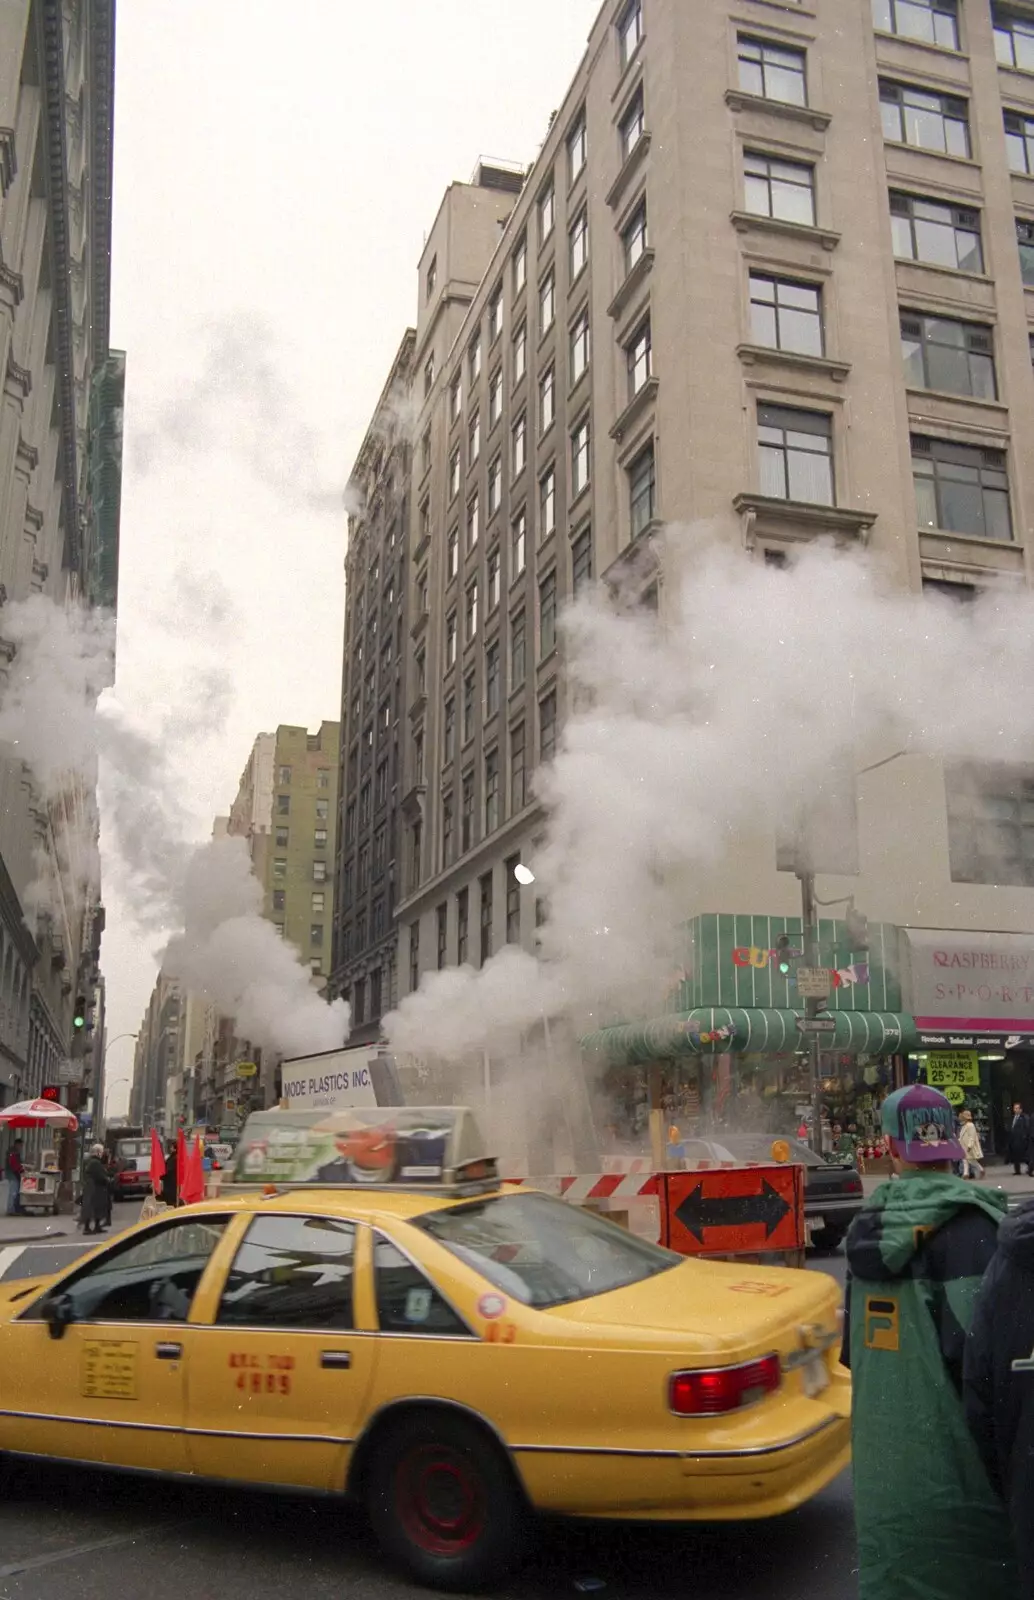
998	1381
167	1194
93	1211
1020	1141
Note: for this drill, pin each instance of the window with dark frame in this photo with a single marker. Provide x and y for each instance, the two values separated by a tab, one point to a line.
1019	142
492	679
547	301
990	825
547	727
547	503
961	488
517	650
494	580
547	614
783	190
581	561
772	71
492	811
1014	38
473	520
442	928
473	438
520	264
945	354
795	450
931	231
634	236
414	956
578	244
519	444
629	30
520	353
924	119
579	345
518	770
546	211
639	357
485	897
462	925
577	149
455	396
448	831
519	535
495	397
785	314
279	899
632	124
1025	245
474	358
449	728
453	553
495	315
642	490
513	901
580	458
547	399
495	485
469	702
929	21
467	813
282	834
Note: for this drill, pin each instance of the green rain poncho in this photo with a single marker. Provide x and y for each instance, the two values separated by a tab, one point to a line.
930	1526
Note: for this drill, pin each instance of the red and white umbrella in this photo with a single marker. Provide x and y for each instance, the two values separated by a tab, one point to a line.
37	1114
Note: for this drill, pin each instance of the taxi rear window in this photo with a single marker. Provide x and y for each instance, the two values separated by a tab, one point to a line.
543	1252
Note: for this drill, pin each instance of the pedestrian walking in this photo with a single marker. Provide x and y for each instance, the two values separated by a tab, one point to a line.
972	1149
930	1525
1020	1141
14	1166
96	1197
999	1381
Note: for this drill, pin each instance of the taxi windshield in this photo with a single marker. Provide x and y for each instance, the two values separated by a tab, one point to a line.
543	1252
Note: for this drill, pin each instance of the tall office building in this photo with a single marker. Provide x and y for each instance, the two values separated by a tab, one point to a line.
60	478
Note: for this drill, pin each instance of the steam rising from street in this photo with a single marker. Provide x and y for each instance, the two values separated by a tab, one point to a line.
711	724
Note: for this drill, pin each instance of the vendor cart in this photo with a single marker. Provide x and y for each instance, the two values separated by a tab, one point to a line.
40	1184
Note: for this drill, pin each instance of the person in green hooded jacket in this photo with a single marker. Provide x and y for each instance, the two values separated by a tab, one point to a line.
930	1526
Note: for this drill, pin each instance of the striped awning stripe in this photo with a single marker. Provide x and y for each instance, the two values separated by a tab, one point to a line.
749	1031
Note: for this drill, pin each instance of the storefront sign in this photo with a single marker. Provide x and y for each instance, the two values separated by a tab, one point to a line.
971	989
947	1067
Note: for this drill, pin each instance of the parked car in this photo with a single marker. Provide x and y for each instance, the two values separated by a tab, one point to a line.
132	1168
833	1194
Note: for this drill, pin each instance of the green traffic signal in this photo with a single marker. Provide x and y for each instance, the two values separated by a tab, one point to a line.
79	1015
783	956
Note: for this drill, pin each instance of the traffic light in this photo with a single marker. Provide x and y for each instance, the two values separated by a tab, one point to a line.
783	961
79	1014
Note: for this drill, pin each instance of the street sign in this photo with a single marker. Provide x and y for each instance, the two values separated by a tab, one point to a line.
69	1071
247	1069
814	983
816	1024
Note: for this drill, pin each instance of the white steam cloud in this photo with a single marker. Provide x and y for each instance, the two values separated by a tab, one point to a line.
714	721
58	716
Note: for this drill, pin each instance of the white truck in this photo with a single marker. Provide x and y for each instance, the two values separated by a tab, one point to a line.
335	1080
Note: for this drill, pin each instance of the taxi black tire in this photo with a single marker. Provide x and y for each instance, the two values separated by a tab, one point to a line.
490	1518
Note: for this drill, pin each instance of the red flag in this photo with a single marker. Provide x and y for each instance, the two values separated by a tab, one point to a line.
181	1162
192	1188
157	1161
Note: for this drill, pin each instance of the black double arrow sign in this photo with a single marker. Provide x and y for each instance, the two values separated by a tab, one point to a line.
699	1211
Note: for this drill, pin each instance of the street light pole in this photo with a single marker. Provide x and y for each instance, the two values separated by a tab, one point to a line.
812	1008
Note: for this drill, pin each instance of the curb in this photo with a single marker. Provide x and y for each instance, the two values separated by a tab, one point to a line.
31	1238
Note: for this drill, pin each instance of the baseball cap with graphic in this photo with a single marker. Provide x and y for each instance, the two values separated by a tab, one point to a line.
920	1124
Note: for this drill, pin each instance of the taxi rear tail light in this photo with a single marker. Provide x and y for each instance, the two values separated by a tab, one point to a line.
711	1392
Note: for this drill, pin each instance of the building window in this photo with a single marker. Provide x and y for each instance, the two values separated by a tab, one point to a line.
283	805
630	30
1014	39
547	399
375	976
642	491
425	451
580	465
284	776
449	736
456	397
319	872
772	71
1025	242
547	211
495	315
471	614
380	786
316	933
279	899
467	813
492	679
469	697
520	353
796	454
453	553
462	923
495	397
578	243
941	235
454	473
580	346
282	835
420	675
634	236
520	264
450	640
473	520
319	839
485	886
513	902
519	443
422	587
1019	142
278	929
322	810
491	791
786	315
639	358
364	805
932	21
428	375
518	793
350	823
631	126
494	580
519	533
581	561
442	942
577	149
474	438
279	867
425	520
416	839
547	503
359	991
991	826
961	488
547	727
547	614
781	189
547	301
364	868
418	756
928	121
414	956
941	353
495	485
517	650
432	277
316	966
447	831
380	849
474	358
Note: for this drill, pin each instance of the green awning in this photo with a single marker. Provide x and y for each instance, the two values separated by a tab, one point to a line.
711	1031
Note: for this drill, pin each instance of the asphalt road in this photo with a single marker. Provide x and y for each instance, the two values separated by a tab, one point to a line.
81	1535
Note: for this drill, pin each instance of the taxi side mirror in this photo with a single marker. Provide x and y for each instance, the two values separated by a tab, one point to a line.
58	1313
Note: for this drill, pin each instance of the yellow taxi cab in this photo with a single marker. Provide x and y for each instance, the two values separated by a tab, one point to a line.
366	1310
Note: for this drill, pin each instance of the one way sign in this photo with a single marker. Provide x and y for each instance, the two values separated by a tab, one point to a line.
735	1211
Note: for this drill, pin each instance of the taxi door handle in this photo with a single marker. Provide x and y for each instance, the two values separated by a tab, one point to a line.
340	1359
168	1352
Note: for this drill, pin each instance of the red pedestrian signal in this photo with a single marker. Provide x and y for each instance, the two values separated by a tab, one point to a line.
51	1091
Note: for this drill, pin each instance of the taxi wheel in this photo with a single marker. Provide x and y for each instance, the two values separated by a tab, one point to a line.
443	1502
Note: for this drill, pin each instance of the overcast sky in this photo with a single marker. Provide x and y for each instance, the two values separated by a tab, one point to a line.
276	170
